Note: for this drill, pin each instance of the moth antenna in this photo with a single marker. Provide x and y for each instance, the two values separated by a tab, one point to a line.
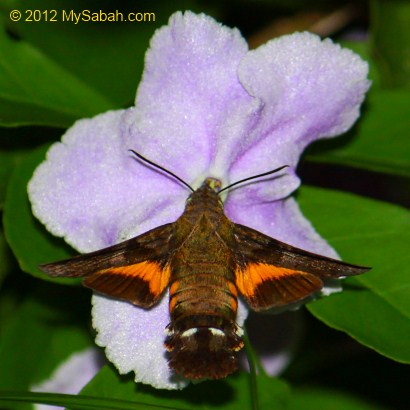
253	177
161	168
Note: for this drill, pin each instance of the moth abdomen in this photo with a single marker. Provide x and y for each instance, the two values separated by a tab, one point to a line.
206	351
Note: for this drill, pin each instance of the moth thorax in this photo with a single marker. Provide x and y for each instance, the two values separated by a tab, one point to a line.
204	352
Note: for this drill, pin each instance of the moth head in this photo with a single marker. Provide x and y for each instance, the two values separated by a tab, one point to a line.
213	183
207	191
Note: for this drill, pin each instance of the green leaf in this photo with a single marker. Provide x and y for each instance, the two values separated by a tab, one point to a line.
380	140
74	402
64	71
369	319
5	258
31	244
14	144
371	233
41	334
108	57
367	232
9	156
313	399
390	22
35	90
8	161
231	393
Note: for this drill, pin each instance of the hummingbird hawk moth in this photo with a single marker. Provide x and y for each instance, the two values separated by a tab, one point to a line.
207	261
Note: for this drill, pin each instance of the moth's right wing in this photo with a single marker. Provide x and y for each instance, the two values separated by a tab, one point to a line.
271	273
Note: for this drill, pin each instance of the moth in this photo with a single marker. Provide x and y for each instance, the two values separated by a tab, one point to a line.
207	261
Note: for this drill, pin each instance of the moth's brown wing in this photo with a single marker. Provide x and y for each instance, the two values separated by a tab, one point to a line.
271	273
136	270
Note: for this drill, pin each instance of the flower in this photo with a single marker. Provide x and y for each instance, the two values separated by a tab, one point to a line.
206	106
71	375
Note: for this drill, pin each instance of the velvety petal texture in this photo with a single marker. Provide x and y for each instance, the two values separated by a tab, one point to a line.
309	89
190	87
93	192
206	106
134	340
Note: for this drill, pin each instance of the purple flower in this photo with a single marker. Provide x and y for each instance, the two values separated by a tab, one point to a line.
206	106
71	375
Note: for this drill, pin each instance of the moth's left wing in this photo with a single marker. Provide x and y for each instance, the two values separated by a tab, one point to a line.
136	270
270	273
